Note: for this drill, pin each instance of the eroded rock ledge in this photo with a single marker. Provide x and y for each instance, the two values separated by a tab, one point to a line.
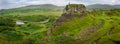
70	11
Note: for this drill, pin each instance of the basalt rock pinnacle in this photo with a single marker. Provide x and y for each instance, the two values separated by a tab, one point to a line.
70	11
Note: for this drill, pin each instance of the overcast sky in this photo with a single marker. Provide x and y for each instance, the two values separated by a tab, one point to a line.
4	4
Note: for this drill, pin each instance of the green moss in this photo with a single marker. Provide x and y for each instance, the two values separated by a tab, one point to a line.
74	6
105	41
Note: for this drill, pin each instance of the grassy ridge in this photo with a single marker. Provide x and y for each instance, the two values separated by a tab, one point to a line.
94	28
32	31
100	27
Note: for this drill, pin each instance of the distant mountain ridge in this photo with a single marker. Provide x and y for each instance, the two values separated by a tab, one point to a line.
94	6
118	6
102	6
36	6
60	8
42	7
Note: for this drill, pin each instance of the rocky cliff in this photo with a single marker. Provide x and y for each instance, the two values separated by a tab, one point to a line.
77	27
70	11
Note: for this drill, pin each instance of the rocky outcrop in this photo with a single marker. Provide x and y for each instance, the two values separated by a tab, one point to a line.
70	11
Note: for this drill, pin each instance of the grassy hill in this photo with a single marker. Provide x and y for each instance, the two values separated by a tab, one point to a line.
33	10
97	27
35	26
117	6
102	6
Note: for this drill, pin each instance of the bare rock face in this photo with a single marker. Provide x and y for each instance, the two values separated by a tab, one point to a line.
77	9
70	11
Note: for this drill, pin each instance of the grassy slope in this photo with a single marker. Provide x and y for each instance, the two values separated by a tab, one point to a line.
34	10
31	32
97	27
101	27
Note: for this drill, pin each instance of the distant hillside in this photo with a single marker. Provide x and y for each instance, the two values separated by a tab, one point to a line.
50	8
43	7
117	6
46	6
33	9
102	6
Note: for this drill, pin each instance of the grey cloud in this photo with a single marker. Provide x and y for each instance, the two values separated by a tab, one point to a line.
4	4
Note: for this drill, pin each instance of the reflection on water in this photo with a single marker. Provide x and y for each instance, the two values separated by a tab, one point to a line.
19	22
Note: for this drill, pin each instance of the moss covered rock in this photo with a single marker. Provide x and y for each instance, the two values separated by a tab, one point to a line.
71	11
75	9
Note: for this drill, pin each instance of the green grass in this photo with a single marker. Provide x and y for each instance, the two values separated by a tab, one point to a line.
93	28
101	27
30	32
